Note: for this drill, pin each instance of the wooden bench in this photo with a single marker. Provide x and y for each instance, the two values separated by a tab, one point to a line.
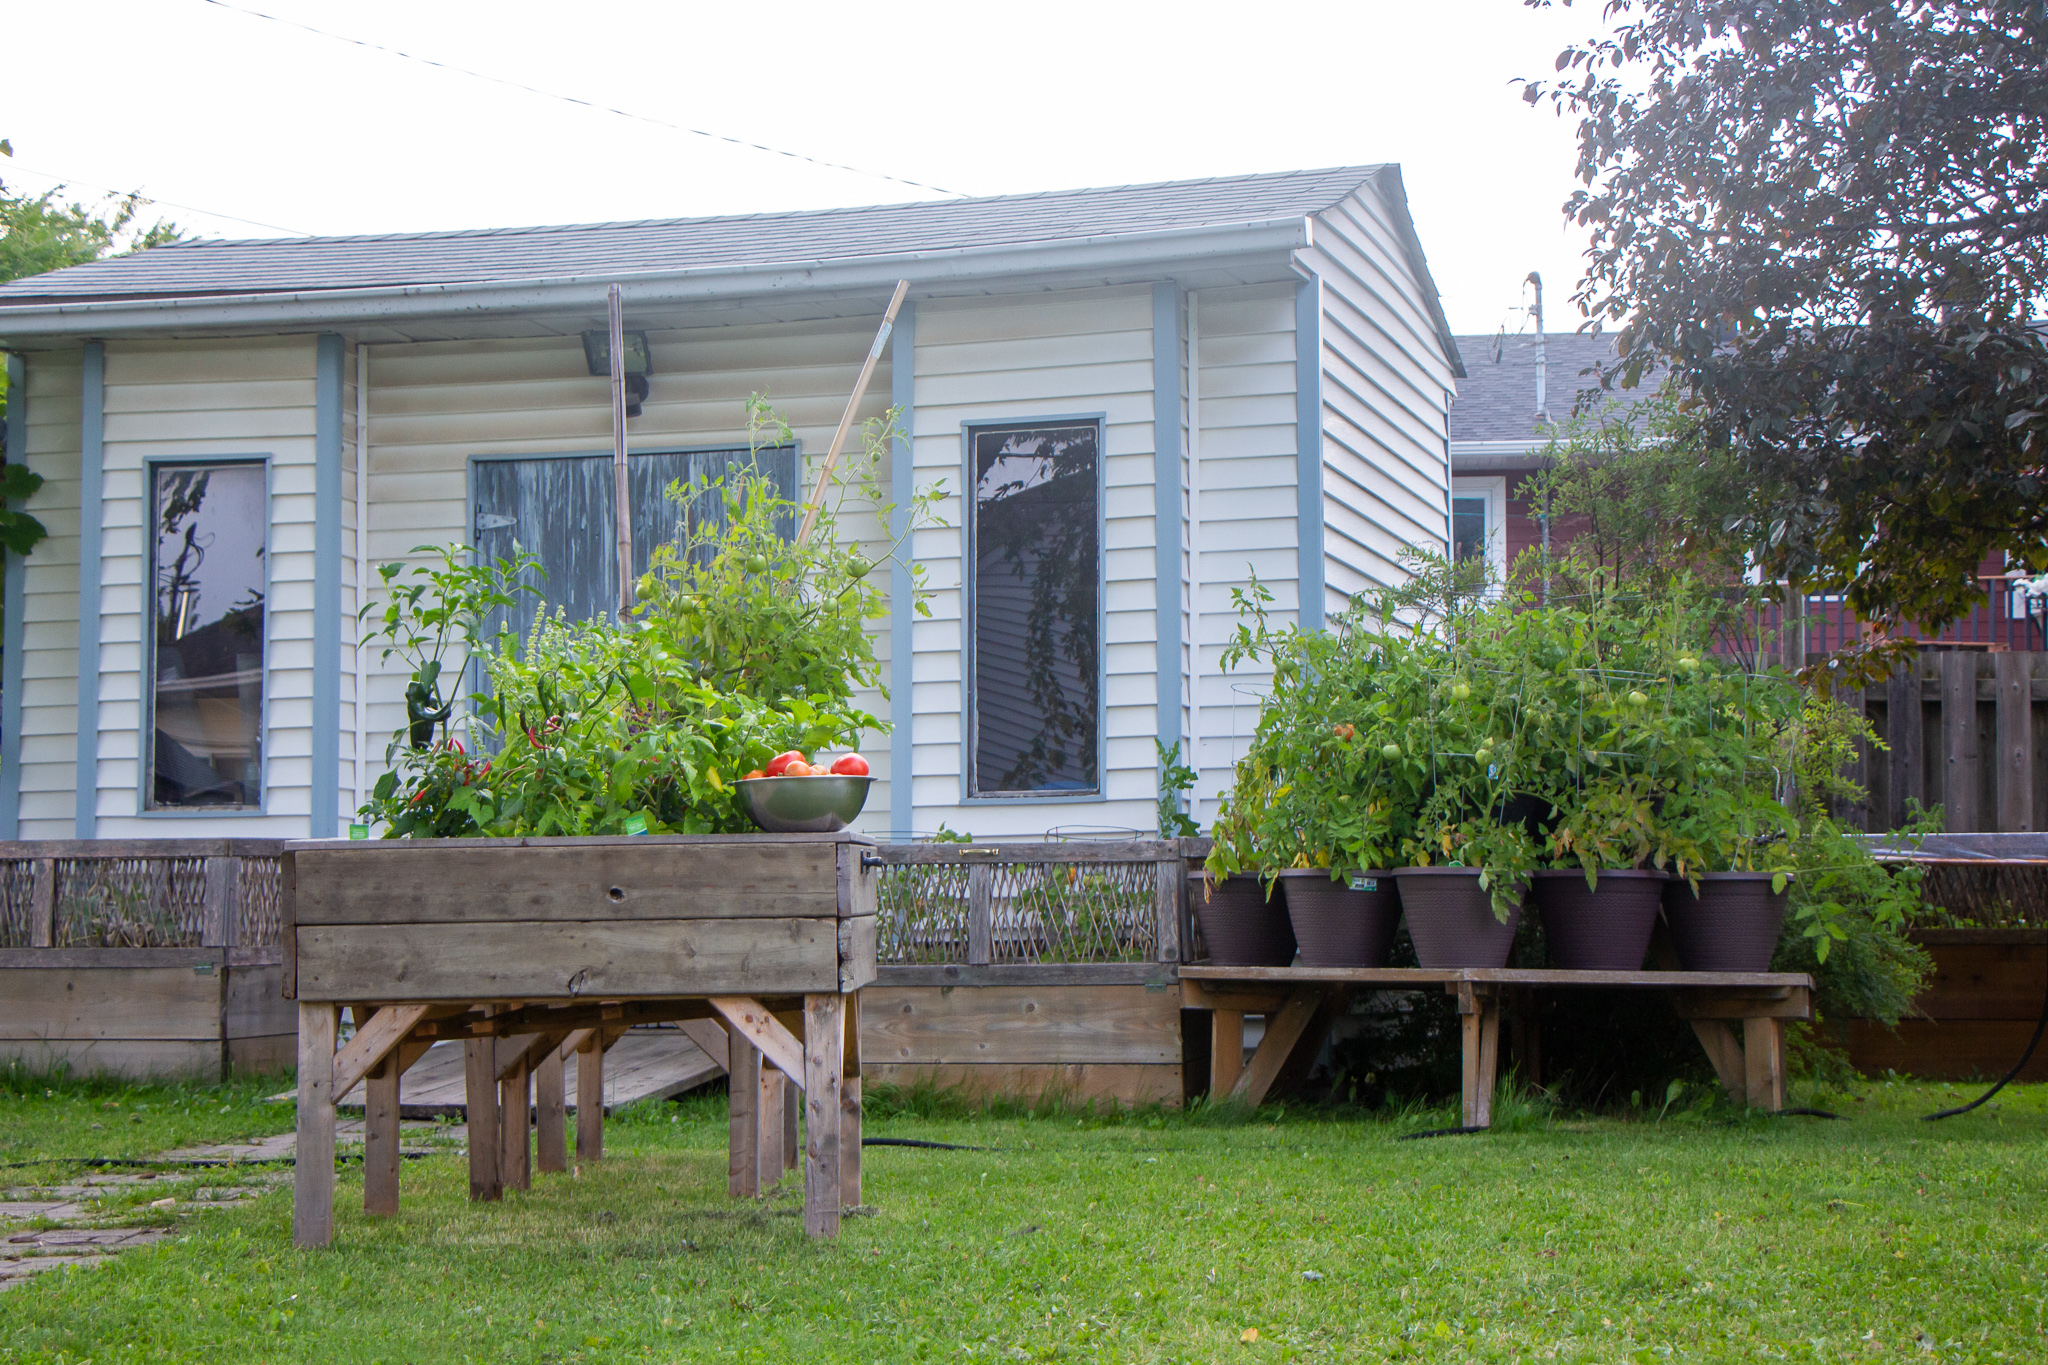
1292	999
527	950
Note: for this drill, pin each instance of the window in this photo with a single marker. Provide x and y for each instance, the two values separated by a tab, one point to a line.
1034	609
1479	523
206	665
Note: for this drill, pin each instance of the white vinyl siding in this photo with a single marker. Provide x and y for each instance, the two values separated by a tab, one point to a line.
1025	359
1386	391
1250	522
49	626
198	400
435	405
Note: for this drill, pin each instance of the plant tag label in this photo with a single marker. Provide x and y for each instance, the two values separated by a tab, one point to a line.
1365	883
358	831
636	824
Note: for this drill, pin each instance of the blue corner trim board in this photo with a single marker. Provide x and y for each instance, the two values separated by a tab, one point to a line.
16	596
327	497
92	466
1308	447
1166	506
902	397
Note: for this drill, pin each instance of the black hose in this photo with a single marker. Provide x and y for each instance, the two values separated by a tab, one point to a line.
1442	1132
2040	1027
1810	1113
920	1142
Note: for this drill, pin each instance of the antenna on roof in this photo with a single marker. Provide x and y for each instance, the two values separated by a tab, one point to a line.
1535	281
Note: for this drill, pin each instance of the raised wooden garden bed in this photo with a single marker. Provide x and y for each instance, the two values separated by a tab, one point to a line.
528	950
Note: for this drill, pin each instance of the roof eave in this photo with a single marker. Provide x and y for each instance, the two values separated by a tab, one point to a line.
44	322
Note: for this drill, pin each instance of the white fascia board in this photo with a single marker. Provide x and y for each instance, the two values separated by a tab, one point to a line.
341	307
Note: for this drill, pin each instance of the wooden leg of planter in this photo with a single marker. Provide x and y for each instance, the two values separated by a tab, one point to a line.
1480	1011
1726	1055
313	1168
824	1062
743	1101
849	1107
1283	1031
1226	1051
380	1137
480	1103
791	1148
1763	1059
768	1128
590	1098
551	1118
515	1128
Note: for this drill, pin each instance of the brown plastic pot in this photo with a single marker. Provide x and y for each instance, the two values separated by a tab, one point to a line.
1347	923
1731	925
1451	919
1241	927
1602	929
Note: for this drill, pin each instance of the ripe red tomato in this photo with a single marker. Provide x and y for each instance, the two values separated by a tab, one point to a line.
778	765
850	765
799	769
752	775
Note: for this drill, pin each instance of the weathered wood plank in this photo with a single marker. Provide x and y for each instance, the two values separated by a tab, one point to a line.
1959	739
380	1136
1479	1013
221	902
1050	1082
550	1120
564	960
1763	1062
1027	851
384	1031
1169	896
100	849
1726	1055
1064	1024
708	1035
167	1003
824	1061
2015	753
386	882
1283	1031
769	1102
480	1100
857	953
590	1097
860	886
743	1116
1158	974
515	1128
313	1166
980	914
850	1115
764	1031
42	905
1226	1051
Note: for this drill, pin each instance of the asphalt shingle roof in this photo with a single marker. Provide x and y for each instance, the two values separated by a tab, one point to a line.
506	255
1497	396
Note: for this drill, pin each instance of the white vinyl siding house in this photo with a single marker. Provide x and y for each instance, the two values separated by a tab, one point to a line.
1264	356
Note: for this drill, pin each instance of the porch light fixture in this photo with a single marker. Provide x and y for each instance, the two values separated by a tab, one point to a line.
597	354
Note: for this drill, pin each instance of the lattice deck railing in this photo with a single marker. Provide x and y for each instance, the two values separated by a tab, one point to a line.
140	893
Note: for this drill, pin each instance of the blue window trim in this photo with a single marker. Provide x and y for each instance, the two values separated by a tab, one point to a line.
1308	446
968	797
145	762
325	809
92	464
902	486
15	629
1166	516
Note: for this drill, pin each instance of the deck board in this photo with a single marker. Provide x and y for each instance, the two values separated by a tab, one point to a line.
645	1064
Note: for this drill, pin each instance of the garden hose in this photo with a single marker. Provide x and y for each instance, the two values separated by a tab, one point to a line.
2040	1027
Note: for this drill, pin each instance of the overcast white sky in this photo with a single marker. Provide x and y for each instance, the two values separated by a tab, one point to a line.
206	106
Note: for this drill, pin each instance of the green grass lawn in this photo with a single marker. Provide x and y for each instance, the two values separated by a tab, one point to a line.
1144	1238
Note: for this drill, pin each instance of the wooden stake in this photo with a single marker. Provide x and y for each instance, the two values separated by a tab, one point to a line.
743	1104
860	391
480	1106
590	1097
824	1056
616	305
380	1137
551	1126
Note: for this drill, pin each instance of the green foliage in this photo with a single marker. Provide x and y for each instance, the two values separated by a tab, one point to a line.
743	644
1175	777
1828	222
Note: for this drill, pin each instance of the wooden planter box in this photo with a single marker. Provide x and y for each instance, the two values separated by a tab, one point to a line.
526	949
1974	1017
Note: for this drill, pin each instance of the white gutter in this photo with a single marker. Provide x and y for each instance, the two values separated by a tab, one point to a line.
362	567
337	307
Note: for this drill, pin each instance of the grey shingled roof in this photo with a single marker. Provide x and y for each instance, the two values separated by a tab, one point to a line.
224	268
1497	397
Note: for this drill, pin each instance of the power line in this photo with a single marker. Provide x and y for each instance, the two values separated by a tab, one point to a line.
587	104
64	180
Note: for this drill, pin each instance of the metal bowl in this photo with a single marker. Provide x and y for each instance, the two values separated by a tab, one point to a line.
804	805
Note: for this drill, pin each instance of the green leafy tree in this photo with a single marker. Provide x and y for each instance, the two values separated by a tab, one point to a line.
1830	220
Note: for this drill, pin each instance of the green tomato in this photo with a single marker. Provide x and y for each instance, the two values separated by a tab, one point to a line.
1390	751
1461	692
1638	699
757	563
857	565
1689	664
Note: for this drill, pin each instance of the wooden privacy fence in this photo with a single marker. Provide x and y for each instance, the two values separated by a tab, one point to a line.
1967	730
143	957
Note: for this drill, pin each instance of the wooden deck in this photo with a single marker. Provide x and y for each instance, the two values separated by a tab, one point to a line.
646	1064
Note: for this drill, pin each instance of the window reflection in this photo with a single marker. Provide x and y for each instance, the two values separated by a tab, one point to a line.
207	564
1037	597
